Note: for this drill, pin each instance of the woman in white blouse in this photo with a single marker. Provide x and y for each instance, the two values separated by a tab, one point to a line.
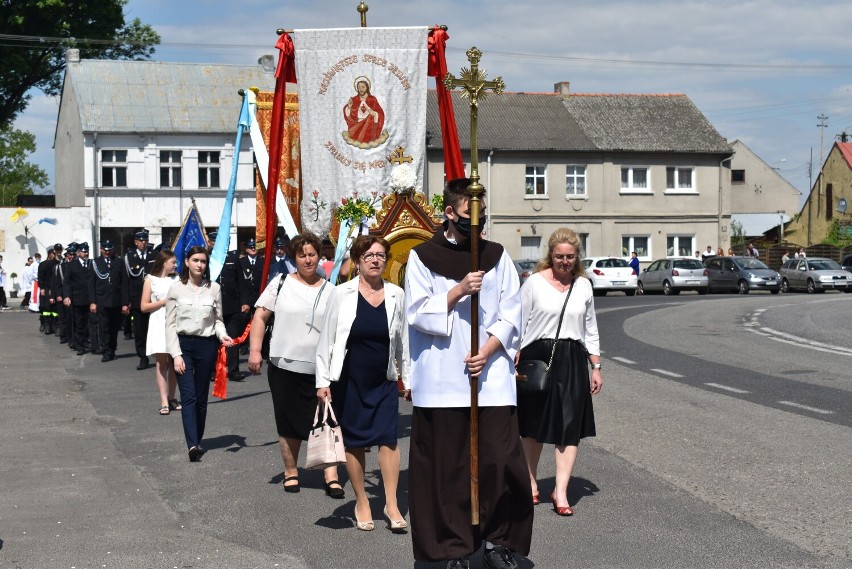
194	328
299	304
562	414
362	351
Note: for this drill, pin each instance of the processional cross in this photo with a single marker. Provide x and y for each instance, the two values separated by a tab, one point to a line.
474	88
398	156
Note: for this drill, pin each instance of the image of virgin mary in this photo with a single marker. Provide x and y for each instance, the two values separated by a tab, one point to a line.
365	118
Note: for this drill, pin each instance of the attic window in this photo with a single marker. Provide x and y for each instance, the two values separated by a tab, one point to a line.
738	176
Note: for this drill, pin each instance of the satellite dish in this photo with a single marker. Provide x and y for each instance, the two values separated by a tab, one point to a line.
841	205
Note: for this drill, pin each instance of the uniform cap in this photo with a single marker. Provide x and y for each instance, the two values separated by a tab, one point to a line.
107	244
141	234
279	242
83	247
251	244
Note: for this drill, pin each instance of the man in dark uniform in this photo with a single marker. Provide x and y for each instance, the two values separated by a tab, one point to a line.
249	272
105	292
46	308
75	291
60	272
137	263
280	262
235	321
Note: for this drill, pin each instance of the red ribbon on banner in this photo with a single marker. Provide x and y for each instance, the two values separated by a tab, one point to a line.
220	386
453	165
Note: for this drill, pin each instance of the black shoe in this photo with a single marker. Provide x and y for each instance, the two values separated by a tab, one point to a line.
108	357
98	352
195	454
201	450
237	376
62	340
499	558
458	564
128	336
81	351
143	363
334	490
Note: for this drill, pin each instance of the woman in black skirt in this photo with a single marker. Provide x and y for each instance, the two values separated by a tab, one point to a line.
298	303
362	351
562	414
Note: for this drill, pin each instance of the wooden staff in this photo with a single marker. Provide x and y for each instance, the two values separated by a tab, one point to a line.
474	87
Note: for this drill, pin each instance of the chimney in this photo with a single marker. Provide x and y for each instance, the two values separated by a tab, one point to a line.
72	55
563	88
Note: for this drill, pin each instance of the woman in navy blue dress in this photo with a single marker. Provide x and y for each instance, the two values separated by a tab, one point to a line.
363	349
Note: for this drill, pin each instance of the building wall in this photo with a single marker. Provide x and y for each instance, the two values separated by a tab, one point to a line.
68	146
835	171
764	189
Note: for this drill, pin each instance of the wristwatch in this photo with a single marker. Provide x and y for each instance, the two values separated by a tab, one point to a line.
597	365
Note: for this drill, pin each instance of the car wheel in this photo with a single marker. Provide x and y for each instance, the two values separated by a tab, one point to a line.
811	286
785	286
667	288
742	287
704	290
629	292
774	291
641	289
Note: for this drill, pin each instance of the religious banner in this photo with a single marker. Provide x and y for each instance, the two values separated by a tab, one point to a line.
362	98
288	175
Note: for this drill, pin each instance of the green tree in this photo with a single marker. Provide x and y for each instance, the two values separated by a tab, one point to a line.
36	33
17	175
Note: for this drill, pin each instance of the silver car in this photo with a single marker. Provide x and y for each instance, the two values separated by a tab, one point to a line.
814	275
741	274
674	275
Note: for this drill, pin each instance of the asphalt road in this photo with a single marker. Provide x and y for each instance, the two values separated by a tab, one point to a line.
681	474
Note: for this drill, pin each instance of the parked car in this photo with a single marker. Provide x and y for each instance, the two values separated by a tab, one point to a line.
741	274
525	269
846	263
674	275
609	274
814	275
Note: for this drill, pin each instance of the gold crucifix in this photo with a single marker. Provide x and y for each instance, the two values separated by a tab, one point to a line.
474	88
398	156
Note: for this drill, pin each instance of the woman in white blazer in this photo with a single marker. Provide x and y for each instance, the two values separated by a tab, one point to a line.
362	350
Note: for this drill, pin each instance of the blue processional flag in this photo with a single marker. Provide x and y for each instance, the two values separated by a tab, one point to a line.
191	234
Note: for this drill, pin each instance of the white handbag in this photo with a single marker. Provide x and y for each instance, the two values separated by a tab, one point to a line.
325	441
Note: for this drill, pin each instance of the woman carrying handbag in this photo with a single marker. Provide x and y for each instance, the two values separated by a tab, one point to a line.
560	329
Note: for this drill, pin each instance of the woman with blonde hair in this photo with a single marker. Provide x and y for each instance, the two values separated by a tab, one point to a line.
560	327
155	289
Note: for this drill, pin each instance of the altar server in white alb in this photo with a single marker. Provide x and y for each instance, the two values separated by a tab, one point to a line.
438	288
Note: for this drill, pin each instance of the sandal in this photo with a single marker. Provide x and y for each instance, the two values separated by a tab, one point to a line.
175	405
164	410
293	488
334	490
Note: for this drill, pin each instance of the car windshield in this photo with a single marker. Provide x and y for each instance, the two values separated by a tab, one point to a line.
824	265
688	264
613	263
751	264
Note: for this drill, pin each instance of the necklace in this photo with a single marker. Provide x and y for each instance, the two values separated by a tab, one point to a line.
366	289
562	287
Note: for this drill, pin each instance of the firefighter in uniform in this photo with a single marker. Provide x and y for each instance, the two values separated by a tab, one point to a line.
60	272
137	263
75	291
105	292
235	321
47	312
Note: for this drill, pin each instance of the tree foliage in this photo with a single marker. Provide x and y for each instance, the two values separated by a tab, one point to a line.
839	234
35	35
17	175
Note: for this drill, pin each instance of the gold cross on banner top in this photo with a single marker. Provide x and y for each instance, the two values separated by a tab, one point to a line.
398	156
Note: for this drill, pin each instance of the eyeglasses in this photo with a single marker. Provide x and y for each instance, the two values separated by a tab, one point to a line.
568	257
370	256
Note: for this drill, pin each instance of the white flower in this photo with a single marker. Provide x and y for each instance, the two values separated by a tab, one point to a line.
403	177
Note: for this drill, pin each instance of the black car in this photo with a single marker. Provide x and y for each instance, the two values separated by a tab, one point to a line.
846	263
741	274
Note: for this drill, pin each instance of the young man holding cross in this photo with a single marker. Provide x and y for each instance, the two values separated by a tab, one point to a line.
438	286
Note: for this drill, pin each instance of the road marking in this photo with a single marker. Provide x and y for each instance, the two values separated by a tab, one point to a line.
668	373
623	360
752	324
726	388
806	408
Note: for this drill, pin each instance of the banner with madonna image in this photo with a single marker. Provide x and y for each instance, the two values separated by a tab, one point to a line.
362	95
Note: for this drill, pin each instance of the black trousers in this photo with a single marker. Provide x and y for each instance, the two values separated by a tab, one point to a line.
140	330
235	325
66	322
85	327
109	323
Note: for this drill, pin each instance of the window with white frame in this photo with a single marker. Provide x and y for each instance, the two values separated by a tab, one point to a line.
680	179
170	168
534	184
575	181
638	243
635	179
680	245
208	169
114	168
531	247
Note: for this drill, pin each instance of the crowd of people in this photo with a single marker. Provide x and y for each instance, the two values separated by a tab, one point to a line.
359	345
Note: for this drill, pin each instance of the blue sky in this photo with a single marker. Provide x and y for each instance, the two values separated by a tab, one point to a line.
760	70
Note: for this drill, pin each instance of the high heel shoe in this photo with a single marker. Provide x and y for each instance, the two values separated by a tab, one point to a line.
536	499
396	526
561	511
364	526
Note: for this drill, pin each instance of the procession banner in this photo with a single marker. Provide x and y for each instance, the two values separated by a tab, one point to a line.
191	234
362	94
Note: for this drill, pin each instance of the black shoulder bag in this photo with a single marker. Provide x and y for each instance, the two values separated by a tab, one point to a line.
267	334
533	376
